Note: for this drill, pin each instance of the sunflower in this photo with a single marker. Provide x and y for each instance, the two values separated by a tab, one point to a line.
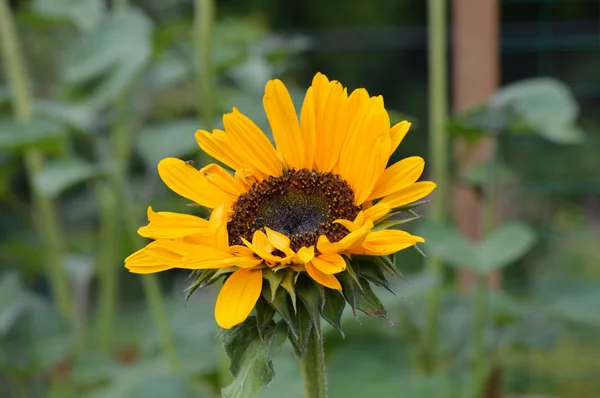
306	205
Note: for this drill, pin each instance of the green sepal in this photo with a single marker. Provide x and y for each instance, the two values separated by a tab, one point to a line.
350	270
274	279
281	304
264	316
369	303
374	274
332	308
254	366
309	294
299	324
360	296
303	323
289	284
389	224
386	263
202	278
237	340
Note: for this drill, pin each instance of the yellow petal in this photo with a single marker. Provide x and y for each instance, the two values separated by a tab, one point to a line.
206	257
304	255
278	240
140	263
330	263
397	133
409	194
353	239
284	124
386	242
188	182
220	178
398	176
377	211
326	280
262	247
238	297
169	251
167	225
259	153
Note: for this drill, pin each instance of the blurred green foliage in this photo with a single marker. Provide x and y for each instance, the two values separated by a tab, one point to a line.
112	86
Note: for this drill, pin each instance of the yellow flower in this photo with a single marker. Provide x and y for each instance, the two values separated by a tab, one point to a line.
302	205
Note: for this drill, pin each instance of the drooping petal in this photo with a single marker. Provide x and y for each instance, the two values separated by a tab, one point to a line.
326	280
398	176
169	251
208	257
278	240
284	123
262	247
409	194
238	297
185	180
329	263
167	225
140	263
381	243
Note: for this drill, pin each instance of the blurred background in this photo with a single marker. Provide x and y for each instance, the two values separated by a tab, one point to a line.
503	97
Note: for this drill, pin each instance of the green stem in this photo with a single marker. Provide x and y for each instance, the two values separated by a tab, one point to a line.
479	369
107	266
438	158
203	34
45	210
313	365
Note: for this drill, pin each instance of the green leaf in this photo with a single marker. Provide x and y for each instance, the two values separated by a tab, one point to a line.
174	139
85	14
446	242
279	301
289	284
504	246
349	290
545	104
80	116
237	341
36	134
578	308
390	224
12	301
480	174
256	368
333	308
95	55
61	174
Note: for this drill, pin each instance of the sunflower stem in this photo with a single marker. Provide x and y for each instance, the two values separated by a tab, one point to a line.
438	144
45	210
313	365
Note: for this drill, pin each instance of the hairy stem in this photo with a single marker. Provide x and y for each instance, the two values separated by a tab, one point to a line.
313	365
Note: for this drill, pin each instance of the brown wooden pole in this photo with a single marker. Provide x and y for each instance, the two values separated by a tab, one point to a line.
475	78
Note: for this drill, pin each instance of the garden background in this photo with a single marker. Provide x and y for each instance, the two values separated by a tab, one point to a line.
94	93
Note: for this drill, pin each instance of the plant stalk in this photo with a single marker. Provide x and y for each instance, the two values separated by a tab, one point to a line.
438	155
203	39
313	365
46	215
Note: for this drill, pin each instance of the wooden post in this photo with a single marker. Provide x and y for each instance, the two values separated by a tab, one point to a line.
475	78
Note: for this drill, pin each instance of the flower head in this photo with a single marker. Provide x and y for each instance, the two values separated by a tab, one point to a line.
304	207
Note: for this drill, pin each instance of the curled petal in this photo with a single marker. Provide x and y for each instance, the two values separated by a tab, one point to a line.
381	243
329	263
326	280
140	263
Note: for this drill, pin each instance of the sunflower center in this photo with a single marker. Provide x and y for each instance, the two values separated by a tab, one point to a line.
302	204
